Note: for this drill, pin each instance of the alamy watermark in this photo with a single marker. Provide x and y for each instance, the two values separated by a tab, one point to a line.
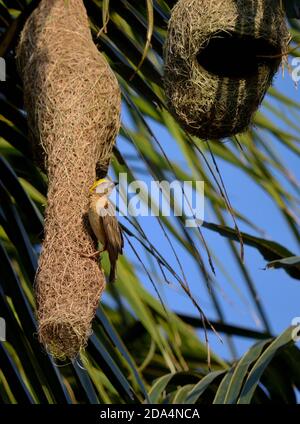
160	198
2	330
296	330
2	69
296	69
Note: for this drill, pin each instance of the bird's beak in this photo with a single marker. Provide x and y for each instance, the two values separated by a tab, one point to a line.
111	186
95	185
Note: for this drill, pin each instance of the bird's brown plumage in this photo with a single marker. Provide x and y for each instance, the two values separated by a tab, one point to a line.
107	230
114	242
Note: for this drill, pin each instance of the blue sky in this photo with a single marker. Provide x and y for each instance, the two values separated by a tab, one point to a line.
278	292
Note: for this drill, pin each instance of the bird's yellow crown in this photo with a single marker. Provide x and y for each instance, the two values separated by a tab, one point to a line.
97	183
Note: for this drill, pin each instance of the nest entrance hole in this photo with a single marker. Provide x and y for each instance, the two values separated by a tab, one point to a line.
236	56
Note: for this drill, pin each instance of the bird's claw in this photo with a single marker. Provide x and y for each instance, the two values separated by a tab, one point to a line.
91	255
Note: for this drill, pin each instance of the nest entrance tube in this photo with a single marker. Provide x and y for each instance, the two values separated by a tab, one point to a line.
220	59
73	103
230	55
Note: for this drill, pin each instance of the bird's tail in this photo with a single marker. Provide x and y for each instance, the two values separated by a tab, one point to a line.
113	273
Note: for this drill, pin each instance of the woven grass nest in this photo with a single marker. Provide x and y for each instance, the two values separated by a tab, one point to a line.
73	103
220	59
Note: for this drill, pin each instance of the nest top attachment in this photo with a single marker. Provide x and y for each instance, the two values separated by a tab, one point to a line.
220	59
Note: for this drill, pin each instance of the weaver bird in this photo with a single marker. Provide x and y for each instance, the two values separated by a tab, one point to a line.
102	217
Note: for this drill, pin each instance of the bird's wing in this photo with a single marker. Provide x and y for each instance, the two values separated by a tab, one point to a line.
113	237
113	234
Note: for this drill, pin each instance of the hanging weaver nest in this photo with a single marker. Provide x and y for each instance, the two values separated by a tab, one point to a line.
220	59
73	104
